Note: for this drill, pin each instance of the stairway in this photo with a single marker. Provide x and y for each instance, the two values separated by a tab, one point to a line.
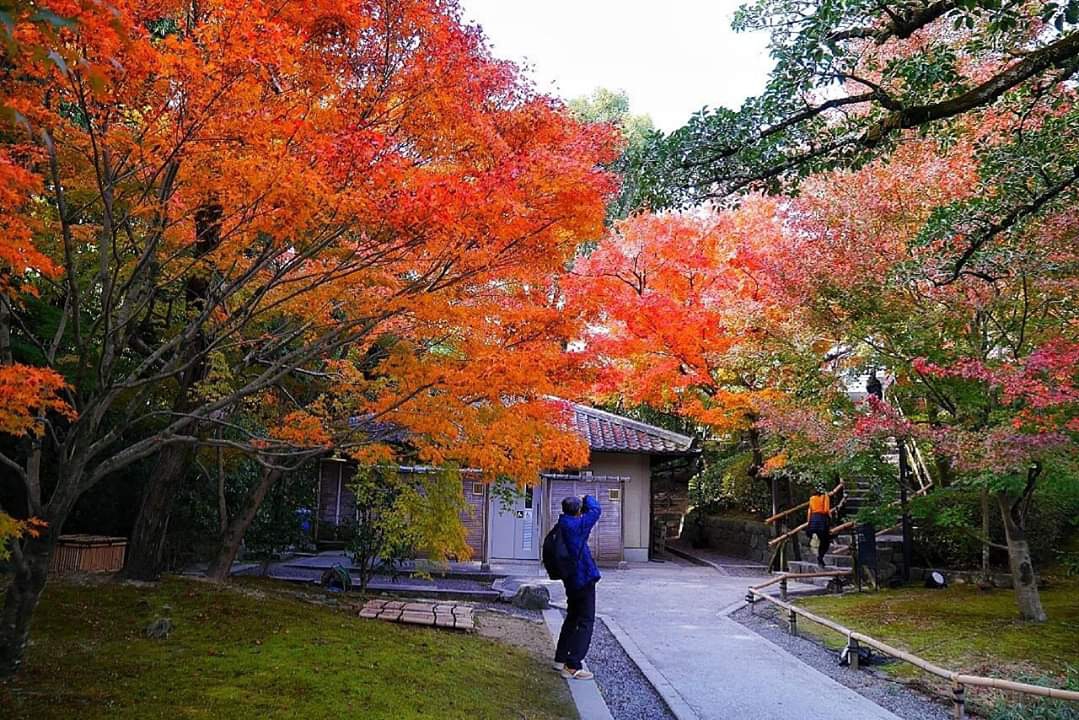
839	557
861	493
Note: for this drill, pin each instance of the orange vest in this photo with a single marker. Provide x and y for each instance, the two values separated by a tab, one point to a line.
820	504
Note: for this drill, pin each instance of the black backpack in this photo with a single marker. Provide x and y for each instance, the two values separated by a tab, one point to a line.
557	560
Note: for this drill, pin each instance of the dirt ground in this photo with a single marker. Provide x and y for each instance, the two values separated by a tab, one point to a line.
526	633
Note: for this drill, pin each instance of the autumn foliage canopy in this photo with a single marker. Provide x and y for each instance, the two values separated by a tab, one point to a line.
279	227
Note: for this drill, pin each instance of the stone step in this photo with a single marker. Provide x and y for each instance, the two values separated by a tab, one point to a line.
839	561
796	567
811	566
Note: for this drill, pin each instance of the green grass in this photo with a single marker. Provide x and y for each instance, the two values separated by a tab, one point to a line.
232	655
961	628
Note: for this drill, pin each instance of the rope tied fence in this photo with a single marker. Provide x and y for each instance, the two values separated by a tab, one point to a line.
959	681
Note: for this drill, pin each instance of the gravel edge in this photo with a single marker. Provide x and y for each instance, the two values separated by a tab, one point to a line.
628	693
894	696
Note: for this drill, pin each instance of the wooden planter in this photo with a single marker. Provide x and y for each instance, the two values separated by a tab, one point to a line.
88	553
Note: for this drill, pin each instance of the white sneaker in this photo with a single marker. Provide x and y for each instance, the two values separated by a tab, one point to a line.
581	674
557	666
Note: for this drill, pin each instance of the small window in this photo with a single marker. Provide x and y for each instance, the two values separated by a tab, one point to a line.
477	488
614	494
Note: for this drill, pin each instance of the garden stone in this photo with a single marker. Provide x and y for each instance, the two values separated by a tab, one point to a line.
531	597
159	629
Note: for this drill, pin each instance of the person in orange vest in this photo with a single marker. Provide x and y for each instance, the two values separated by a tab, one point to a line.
819	518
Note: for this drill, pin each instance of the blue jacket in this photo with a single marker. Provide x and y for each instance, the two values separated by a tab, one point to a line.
575	530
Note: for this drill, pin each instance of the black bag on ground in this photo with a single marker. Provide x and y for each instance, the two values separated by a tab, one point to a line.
557	560
865	656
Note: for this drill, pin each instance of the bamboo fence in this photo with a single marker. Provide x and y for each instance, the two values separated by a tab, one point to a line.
88	553
959	681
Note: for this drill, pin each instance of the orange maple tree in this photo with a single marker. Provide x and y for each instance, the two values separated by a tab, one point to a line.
216	199
690	318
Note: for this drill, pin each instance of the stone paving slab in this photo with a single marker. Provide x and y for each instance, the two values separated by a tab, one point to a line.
715	668
459	617
586	695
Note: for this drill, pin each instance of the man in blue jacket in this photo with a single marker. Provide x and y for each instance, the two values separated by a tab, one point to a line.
576	522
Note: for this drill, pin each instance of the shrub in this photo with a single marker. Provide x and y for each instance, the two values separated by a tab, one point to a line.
402	515
1031	708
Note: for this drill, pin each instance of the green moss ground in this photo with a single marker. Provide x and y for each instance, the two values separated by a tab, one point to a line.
961	628
234	655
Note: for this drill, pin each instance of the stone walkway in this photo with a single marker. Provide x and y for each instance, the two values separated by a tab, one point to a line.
459	617
673	615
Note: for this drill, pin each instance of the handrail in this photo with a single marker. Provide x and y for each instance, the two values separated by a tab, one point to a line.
794	576
850	523
788	511
788	534
834	531
958	680
925	480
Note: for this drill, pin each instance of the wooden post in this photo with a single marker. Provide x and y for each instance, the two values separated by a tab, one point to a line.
485	554
783	589
854	556
959	702
793	620
852	653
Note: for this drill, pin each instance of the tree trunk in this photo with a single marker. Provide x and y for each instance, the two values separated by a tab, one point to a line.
985	534
145	550
221	566
1024	581
147	543
31	570
222	503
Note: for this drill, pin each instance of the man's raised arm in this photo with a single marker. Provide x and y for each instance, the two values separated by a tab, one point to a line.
591	513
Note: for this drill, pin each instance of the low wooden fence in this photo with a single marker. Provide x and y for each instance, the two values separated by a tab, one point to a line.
88	553
959	681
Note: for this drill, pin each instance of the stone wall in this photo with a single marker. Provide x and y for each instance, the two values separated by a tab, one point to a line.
738	538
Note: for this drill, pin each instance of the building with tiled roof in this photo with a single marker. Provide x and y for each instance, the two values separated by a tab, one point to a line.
510	523
607	432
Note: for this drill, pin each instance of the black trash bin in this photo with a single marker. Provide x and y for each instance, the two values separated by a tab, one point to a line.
867	548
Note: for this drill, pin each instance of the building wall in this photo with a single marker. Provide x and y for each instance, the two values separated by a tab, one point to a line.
337	509
336	503
605	540
475	517
637	498
633	507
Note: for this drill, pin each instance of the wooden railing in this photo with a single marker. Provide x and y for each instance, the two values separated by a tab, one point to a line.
842	527
782	578
796	508
790	533
959	681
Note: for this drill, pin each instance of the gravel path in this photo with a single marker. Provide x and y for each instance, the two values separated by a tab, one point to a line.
627	691
901	700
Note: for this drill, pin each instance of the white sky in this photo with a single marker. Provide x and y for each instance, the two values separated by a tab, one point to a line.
672	57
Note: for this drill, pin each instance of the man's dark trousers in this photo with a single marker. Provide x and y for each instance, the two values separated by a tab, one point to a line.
576	634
